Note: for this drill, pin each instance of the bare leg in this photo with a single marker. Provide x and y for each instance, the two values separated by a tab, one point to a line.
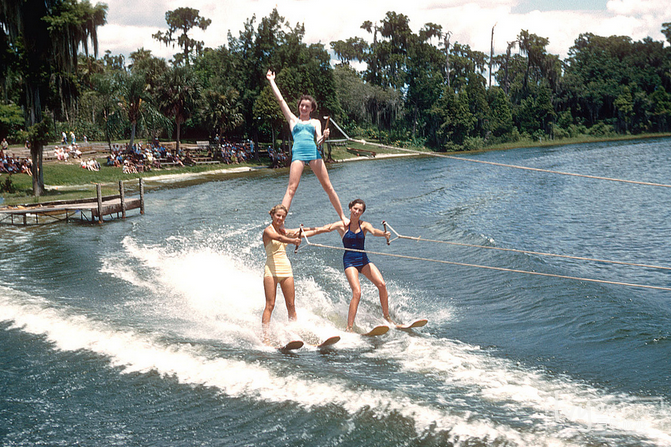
371	272
319	168
353	277
270	289
295	172
289	292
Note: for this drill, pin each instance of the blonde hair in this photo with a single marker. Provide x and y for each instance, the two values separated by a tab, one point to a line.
274	209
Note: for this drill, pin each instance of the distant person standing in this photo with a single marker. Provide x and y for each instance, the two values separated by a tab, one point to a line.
72	137
64	138
305	130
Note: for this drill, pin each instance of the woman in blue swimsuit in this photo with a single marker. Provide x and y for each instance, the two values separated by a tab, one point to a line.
353	236
305	130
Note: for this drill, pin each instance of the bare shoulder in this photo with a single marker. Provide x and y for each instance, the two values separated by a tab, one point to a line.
366	226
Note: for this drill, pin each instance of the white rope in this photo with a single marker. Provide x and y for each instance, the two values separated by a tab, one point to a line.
579	258
500	269
526	168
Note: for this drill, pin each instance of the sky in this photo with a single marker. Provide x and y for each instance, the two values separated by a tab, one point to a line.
131	23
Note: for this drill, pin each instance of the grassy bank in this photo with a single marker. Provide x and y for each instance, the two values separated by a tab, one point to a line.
68	181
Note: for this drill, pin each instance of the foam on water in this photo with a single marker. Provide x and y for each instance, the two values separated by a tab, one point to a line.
218	295
133	352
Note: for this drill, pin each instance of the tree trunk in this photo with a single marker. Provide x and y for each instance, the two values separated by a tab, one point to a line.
36	147
132	133
36	151
179	128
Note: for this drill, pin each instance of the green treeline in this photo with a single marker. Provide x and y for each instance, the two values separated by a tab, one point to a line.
416	88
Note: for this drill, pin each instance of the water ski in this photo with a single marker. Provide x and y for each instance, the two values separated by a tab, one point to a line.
291	346
414	324
329	341
377	330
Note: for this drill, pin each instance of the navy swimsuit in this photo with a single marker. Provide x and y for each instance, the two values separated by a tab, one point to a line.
354	240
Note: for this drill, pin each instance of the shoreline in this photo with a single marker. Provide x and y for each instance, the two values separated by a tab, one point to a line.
186	176
179	177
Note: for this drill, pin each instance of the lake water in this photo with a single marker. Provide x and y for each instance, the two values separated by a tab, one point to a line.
147	331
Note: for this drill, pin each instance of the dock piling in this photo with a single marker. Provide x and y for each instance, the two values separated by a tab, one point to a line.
122	196
99	193
141	196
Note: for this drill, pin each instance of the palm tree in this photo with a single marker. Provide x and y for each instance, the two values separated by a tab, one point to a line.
178	95
133	98
222	111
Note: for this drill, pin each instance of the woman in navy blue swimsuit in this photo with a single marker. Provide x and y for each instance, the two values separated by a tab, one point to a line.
305	130
353	236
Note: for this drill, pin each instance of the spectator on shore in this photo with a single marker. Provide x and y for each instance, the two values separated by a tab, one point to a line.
14	165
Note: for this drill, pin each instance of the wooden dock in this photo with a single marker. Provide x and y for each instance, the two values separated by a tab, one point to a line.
86	210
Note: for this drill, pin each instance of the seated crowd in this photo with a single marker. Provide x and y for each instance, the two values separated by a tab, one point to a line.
140	157
234	153
63	153
143	157
11	164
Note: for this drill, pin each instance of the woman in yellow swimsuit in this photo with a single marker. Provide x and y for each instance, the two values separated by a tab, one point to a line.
278	268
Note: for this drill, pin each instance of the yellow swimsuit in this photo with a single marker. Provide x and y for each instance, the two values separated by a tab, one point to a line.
277	263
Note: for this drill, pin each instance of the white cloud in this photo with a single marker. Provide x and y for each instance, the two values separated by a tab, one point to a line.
130	27
638	7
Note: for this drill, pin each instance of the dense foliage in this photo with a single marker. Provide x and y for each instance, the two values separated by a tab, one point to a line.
417	88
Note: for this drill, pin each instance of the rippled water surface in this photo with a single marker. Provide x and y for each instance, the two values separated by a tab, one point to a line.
147	331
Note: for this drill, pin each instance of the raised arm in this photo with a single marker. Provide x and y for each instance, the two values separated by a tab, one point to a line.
286	111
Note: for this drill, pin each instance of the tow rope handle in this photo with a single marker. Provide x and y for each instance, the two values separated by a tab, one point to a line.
300	234
384	224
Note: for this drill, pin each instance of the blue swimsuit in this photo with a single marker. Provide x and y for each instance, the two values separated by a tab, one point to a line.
354	240
304	148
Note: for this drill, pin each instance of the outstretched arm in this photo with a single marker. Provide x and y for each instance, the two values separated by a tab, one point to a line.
288	115
374	231
312	231
270	233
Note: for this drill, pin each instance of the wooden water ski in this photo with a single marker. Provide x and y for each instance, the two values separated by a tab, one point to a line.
329	341
291	346
377	330
414	324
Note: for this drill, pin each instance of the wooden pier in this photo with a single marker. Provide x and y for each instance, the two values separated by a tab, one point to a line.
86	210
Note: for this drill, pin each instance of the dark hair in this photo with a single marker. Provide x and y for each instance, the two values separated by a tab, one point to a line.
307	98
356	201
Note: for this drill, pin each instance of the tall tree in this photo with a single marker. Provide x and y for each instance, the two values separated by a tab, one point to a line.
47	35
133	98
178	96
183	19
